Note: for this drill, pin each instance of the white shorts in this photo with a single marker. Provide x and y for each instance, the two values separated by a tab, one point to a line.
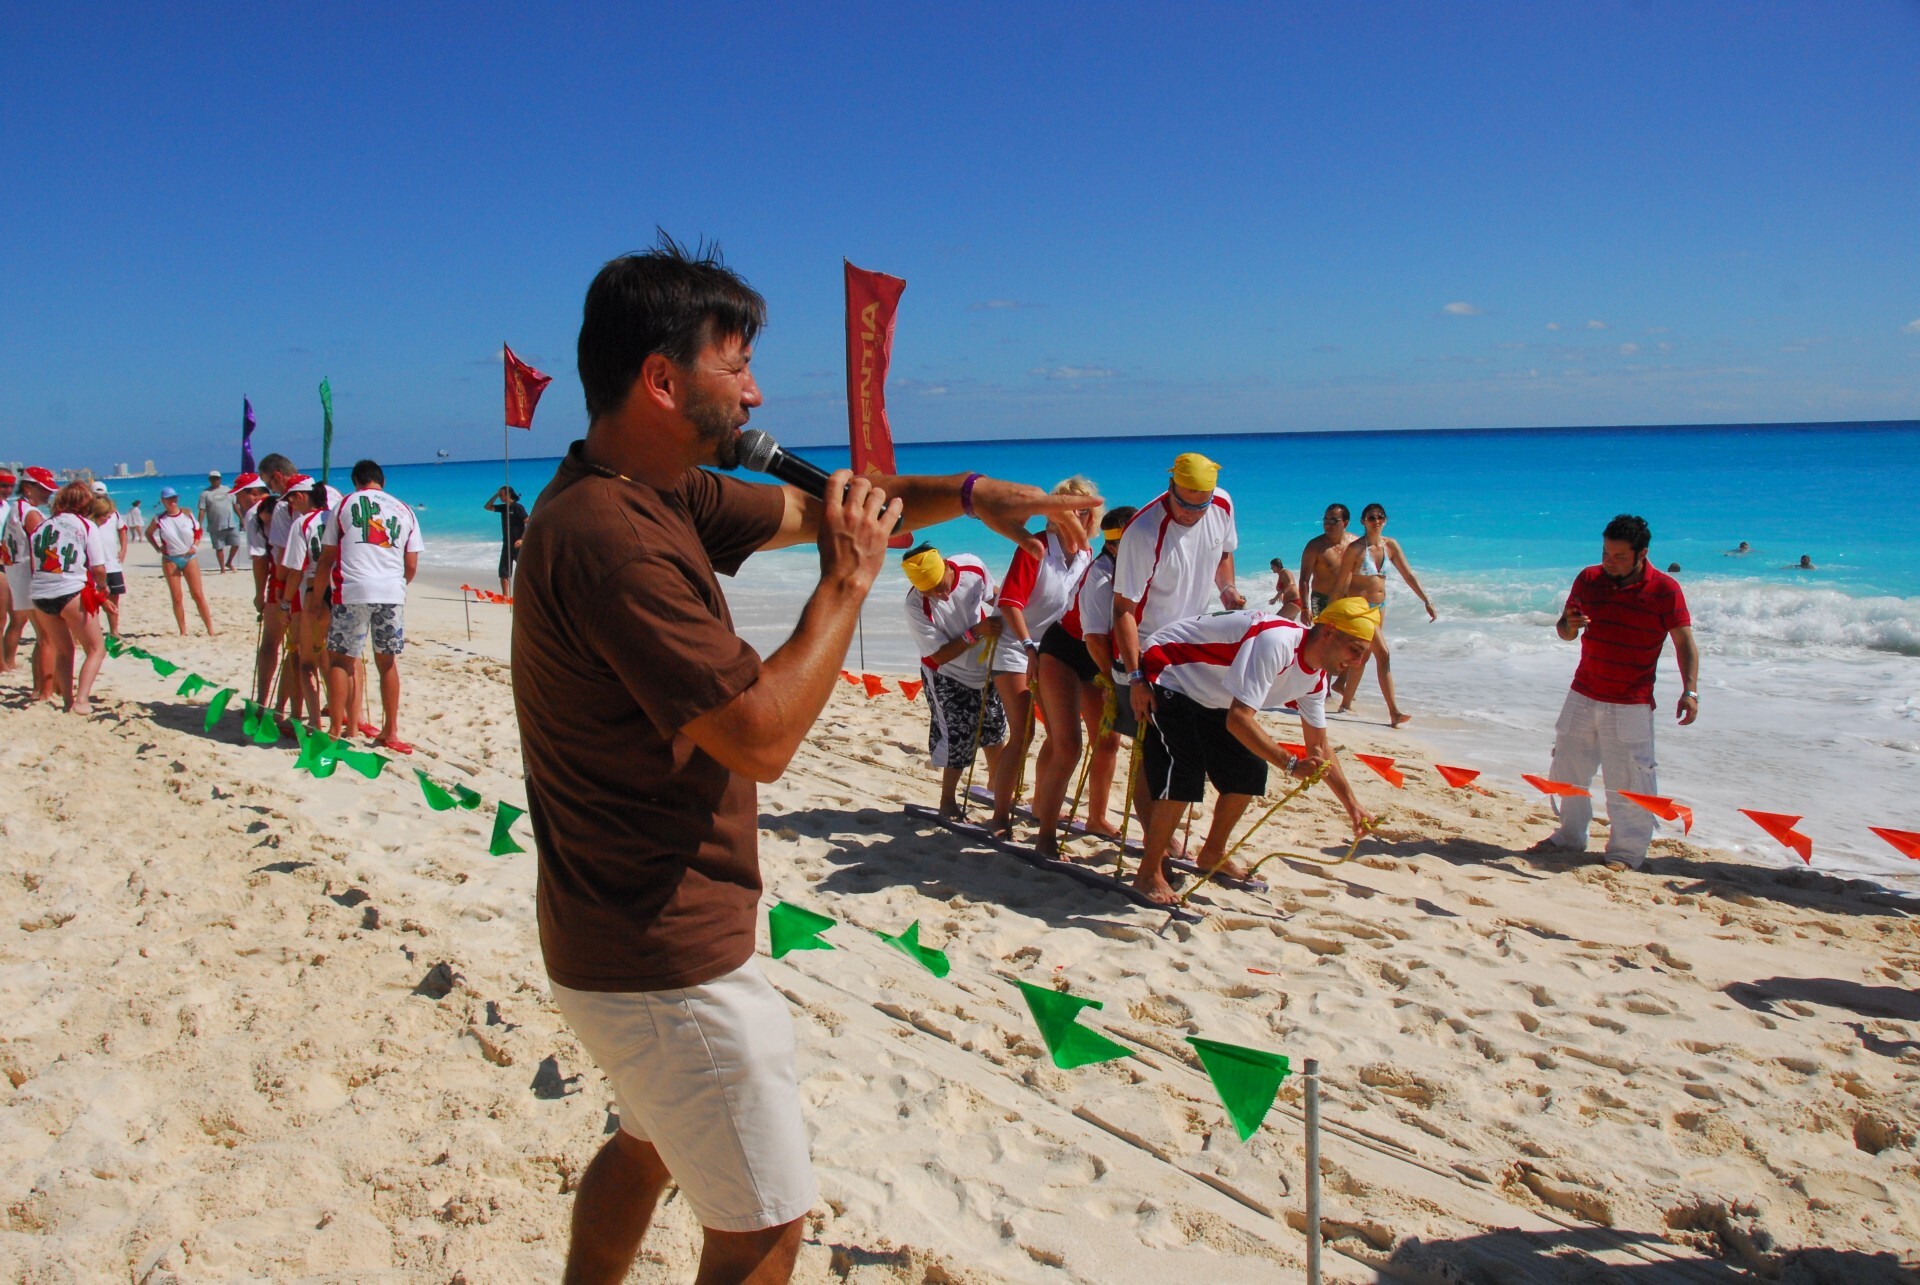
706	1074
20	585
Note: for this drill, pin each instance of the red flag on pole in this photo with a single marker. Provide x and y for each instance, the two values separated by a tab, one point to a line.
524	386
872	298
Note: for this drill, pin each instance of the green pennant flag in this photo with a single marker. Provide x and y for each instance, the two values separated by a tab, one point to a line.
504	815
1246	1080
261	725
365	762
115	647
164	668
466	798
217	707
138	653
908	944
326	429
791	927
191	685
1070	1043
316	752
437	796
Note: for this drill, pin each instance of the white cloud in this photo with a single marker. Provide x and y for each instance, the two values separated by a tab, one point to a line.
1071	372
1596	325
1553	325
1459	309
1911	328
1628	350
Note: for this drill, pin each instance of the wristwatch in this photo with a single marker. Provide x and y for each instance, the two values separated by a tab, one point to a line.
1134	677
1032	647
1690	695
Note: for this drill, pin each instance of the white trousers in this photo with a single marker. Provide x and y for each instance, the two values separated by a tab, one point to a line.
1618	740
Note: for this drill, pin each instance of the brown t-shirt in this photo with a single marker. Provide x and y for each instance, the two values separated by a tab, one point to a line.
648	848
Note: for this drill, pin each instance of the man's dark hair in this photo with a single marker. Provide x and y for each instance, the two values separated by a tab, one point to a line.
1629	530
275	463
916	550
317	494
366	473
668	300
1346	514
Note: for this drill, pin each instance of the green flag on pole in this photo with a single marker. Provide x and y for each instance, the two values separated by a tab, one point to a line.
791	927
1246	1080
1071	1044
326	430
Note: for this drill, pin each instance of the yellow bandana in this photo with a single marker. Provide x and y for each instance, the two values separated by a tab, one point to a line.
1351	616
925	570
1195	472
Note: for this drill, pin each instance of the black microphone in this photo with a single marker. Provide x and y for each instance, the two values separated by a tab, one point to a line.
762	454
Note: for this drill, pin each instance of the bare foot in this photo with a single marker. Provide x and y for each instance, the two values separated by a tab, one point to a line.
950	811
1105	830
1047	844
1401	718
1548	848
1225	870
80	707
1000	827
1157	889
1344	708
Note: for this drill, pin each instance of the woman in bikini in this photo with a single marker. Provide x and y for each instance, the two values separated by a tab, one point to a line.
176	534
1363	573
1285	592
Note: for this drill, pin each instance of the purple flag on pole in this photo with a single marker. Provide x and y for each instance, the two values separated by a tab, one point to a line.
246	435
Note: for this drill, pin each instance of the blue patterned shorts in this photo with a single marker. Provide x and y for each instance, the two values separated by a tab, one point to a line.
353	620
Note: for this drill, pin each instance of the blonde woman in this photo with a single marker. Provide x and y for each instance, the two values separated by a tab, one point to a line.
69	577
1364	569
1035	593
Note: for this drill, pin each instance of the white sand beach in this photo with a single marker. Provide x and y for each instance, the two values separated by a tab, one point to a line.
258	1026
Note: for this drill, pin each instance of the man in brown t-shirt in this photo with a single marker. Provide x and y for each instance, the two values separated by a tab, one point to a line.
644	723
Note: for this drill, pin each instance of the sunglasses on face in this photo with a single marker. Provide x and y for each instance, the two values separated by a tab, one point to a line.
1190	506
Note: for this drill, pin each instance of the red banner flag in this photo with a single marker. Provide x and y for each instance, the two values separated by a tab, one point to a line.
1384	766
1665	809
852	680
1460	778
876	685
910	687
1780	826
1905	842
1545	786
524	386
872	298
1298	751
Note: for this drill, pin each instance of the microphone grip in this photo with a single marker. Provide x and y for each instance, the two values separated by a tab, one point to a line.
812	479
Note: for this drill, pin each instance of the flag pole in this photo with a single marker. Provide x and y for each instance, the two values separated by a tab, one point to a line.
506	443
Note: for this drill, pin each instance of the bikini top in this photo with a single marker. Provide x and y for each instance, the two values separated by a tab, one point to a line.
1369	567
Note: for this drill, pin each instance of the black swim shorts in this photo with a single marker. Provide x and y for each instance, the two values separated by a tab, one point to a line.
1188	744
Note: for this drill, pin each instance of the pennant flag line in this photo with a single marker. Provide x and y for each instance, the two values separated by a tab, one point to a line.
1905	842
1384	766
504	815
908	944
191	685
875	685
910	687
164	668
849	678
438	797
1665	809
217	707
1247	1080
1780	826
1460	778
1561	788
791	928
1070	1043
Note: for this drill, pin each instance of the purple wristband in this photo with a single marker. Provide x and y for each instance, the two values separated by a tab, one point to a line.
966	495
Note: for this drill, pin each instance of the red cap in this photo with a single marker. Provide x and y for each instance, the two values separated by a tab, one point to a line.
247	481
6	478
41	477
299	482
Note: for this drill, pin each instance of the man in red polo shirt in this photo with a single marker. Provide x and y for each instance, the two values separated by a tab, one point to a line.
1623	611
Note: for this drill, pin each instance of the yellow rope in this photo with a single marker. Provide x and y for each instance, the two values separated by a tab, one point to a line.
1126	813
1282	802
979	722
1086	767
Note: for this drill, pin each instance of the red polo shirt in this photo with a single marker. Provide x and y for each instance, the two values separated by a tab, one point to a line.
1629	625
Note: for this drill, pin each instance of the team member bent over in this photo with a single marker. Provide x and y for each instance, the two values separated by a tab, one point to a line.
948	605
1036	593
1076	688
1209	677
69	582
176	533
370	552
1622	611
646	722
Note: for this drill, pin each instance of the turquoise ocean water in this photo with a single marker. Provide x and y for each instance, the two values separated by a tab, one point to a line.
1811	680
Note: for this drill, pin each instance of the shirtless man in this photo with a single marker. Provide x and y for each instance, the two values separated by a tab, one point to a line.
1320	560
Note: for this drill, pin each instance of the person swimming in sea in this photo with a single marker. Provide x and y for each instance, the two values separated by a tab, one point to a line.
1805	564
1740	552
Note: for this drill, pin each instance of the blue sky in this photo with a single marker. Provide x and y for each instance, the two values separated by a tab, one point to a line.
1111	218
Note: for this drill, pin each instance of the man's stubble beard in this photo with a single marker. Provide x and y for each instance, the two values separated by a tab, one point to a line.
713	421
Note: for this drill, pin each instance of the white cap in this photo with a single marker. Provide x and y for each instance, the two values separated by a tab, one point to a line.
213	472
99	488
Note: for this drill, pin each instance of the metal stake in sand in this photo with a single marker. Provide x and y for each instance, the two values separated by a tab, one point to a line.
1313	1170
979	723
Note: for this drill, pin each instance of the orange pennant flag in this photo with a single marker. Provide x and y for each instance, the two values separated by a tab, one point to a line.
1298	751
1561	788
1665	809
1384	766
910	687
1780	826
1906	842
876	686
849	678
1459	778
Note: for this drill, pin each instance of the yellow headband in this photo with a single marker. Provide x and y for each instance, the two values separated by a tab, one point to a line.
1351	616
1113	532
925	570
1195	472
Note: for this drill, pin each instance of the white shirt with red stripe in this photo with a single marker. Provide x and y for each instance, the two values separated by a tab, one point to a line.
1246	656
1043	590
1092	609
65	548
933	623
18	544
179	532
301	556
1167	569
